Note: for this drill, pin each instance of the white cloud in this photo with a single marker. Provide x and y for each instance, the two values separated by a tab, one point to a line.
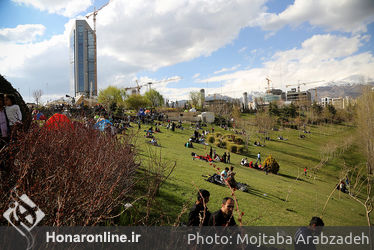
22	33
227	69
68	8
321	57
196	75
154	34
340	15
242	50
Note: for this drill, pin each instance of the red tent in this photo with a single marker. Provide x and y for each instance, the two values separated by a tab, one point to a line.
58	121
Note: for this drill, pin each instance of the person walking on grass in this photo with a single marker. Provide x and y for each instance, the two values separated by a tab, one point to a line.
228	157
305	171
258	158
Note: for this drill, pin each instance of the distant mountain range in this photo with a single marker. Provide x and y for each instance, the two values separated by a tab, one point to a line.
351	86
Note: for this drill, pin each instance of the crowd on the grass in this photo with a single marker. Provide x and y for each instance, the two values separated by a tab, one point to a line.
11	120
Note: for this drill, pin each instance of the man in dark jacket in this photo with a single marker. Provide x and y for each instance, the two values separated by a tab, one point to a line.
303	233
224	216
199	213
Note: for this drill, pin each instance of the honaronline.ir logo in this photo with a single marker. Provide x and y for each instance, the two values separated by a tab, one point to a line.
24	215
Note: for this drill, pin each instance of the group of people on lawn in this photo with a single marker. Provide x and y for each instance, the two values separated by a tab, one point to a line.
201	216
226	157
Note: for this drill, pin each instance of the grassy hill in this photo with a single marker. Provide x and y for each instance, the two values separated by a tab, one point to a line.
272	199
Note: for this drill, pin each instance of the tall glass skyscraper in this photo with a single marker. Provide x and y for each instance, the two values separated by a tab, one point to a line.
83	59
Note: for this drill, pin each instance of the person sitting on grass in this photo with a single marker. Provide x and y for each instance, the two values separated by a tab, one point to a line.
188	144
231	177
199	214
149	135
342	187
217	158
154	142
224	175
242	162
250	164
224	216
208	158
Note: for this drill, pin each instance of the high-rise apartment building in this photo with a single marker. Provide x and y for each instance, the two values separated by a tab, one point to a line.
83	59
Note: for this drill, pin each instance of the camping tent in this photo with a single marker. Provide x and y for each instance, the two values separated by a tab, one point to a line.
58	122
102	124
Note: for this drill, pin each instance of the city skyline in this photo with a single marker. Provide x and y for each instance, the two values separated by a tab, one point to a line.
227	48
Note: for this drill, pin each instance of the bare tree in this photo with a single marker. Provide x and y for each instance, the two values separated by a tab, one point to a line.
365	123
264	123
361	178
195	99
222	109
37	94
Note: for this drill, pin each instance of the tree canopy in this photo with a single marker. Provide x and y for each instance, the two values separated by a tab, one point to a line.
112	96
195	99
155	98
137	101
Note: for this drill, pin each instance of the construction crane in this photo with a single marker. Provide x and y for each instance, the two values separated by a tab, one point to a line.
302	83
268	88
165	80
138	87
94	14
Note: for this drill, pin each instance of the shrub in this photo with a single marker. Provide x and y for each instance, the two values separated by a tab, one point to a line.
217	135
220	143
232	147
271	164
229	137
239	141
76	176
211	138
240	149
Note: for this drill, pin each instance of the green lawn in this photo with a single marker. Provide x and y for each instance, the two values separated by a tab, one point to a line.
265	204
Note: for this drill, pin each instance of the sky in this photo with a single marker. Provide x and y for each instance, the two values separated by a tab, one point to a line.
224	46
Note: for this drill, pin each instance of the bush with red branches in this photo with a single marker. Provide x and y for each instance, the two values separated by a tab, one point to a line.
76	176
